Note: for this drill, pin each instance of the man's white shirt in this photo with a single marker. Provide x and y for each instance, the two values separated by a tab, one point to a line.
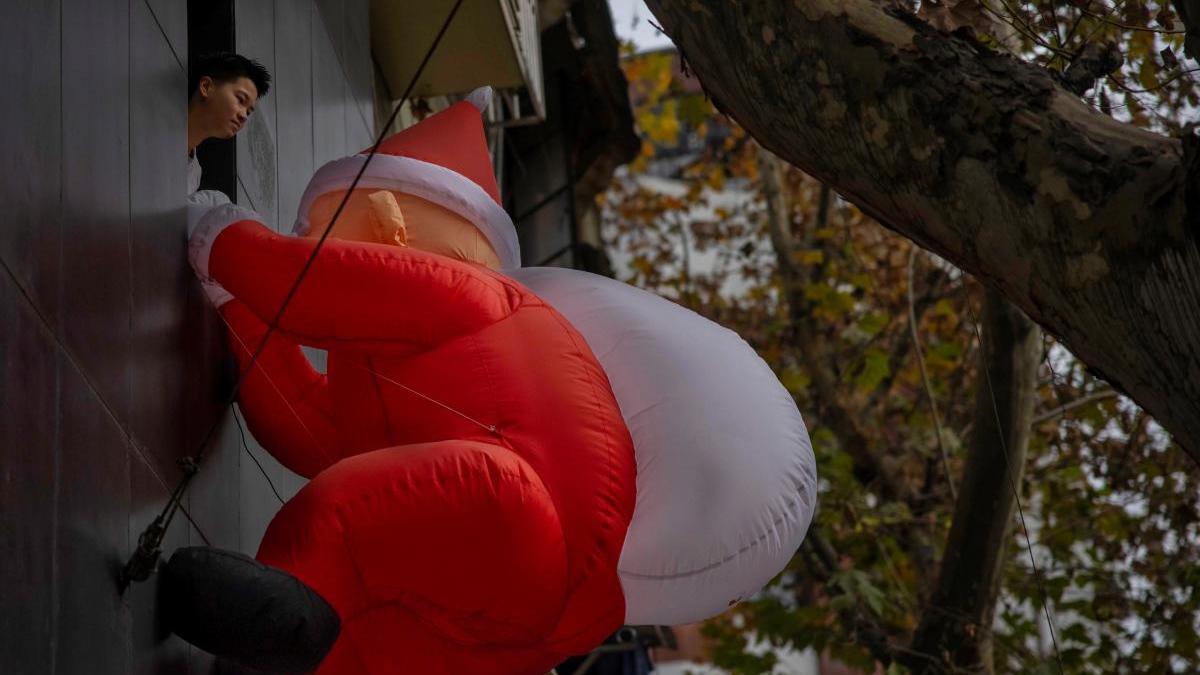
193	174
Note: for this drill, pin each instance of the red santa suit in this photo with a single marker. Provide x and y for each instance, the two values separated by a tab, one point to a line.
476	446
472	477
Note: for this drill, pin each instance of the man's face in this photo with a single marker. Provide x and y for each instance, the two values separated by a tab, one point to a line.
225	106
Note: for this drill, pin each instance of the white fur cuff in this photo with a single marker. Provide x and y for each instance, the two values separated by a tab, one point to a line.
216	293
207	228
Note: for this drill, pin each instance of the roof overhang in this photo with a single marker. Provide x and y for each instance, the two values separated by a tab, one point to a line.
489	42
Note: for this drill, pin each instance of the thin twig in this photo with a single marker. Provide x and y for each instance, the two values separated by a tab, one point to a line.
1058	38
1024	28
1096	29
1077	403
937	419
1009	471
1119	24
1125	88
1070	34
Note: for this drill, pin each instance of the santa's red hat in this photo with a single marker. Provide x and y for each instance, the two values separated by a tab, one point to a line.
443	159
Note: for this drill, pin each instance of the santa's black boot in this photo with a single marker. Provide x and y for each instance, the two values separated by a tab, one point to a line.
237	608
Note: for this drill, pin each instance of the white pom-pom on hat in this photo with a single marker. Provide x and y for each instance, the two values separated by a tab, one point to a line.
481	98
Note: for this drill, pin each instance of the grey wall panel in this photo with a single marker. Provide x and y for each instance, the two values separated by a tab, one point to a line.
546	232
262	476
243	196
329	96
358	110
160	275
213	497
28	454
254	24
31	136
333	17
356	61
258	501
96	294
358	136
92	622
154	651
294	104
544	166
171	18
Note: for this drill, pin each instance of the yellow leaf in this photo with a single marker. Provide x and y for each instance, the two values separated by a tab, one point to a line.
795	381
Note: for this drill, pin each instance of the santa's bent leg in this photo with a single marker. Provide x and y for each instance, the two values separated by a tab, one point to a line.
285	400
353	293
439	558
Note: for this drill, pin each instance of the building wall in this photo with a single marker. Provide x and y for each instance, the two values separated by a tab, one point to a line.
553	171
111	366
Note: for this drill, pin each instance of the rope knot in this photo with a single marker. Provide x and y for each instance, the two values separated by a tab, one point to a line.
145	558
189	465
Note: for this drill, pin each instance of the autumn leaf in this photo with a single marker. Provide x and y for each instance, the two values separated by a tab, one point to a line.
874	368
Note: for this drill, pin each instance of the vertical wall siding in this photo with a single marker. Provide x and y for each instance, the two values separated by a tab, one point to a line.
30	187
111	366
94	319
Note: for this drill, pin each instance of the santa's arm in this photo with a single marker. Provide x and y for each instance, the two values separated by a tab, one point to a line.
354	294
285	400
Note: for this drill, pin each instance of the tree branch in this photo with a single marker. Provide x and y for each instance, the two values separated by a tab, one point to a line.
1189	14
1087	224
1095	61
960	615
1077	403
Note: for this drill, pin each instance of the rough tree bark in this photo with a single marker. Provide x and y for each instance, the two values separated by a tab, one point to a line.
1090	226
957	624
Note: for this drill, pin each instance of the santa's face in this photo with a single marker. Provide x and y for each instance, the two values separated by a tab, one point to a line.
399	219
222	108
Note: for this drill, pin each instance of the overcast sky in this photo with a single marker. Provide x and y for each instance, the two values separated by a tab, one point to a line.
632	22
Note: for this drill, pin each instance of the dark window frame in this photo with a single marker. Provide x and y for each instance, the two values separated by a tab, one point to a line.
211	29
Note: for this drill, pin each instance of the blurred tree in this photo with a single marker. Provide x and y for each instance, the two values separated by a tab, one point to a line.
1080	210
932	404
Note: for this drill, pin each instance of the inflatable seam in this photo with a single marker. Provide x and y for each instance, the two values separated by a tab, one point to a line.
774	529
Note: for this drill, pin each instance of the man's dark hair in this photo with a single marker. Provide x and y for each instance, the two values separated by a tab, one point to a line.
227	67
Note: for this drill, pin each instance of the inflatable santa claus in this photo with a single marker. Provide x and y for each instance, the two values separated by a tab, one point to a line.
506	464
